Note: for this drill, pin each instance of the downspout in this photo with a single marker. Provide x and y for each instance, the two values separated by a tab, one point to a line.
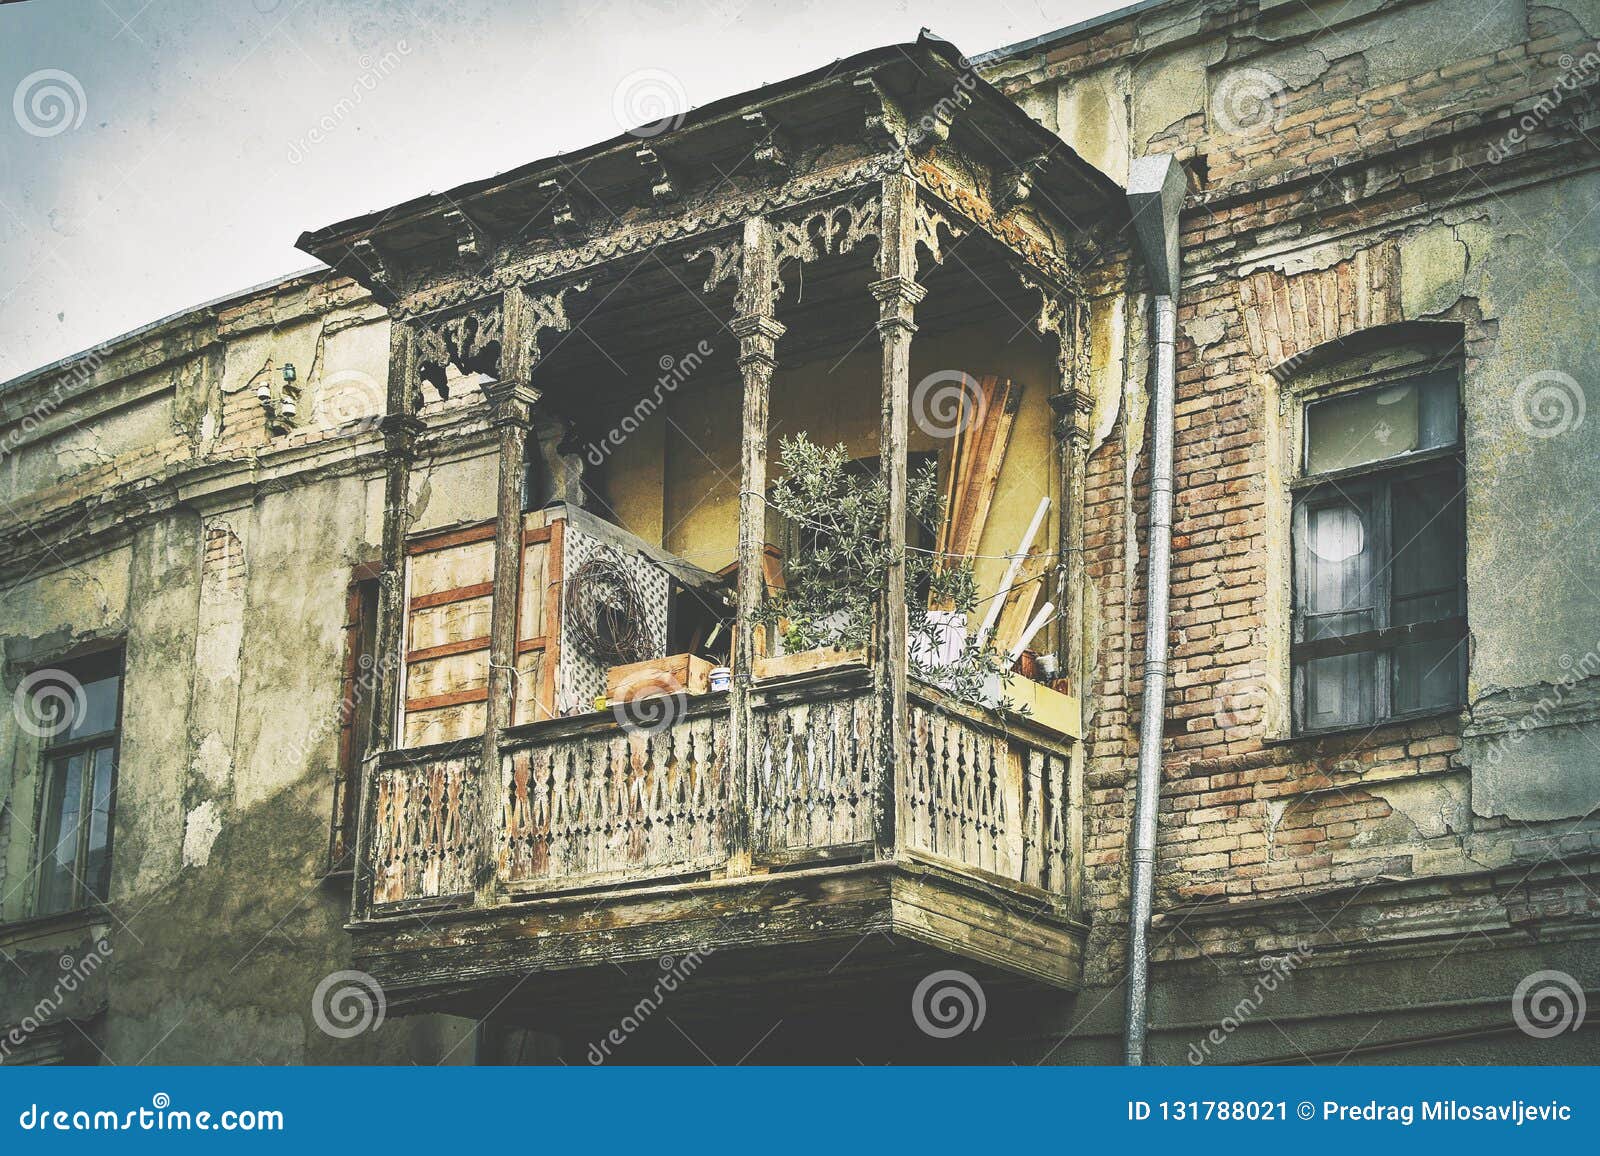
1155	195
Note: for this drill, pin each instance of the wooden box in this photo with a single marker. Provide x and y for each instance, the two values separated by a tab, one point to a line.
807	661
676	672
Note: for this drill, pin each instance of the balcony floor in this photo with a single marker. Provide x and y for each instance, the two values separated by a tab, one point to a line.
553	957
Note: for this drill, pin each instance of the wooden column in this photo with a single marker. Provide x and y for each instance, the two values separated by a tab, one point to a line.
758	335
897	293
400	428
511	400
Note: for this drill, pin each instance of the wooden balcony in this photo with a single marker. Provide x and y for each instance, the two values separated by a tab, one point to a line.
611	845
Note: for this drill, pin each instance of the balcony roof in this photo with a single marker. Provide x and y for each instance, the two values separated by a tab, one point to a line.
609	187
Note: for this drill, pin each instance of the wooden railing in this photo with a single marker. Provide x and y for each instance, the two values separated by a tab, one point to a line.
588	802
424	841
814	781
987	792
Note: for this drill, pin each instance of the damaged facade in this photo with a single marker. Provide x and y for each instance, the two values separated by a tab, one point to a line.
308	557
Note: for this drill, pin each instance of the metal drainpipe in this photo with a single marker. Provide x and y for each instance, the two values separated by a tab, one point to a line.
1155	195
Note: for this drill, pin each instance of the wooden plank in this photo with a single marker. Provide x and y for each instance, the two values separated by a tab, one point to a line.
806	661
454	698
459	594
445	650
552	622
980	499
528	644
676	672
449	538
1017	603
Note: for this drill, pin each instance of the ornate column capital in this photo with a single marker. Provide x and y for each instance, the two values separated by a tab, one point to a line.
511	402
758	341
897	301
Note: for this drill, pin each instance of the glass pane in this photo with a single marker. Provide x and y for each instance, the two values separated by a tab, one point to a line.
97	875
1427	549
93	713
1427	675
1374	424
1339	690
58	838
1338	598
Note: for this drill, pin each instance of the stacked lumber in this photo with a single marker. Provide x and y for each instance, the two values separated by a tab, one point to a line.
972	469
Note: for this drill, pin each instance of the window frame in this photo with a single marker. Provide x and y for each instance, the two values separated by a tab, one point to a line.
363	606
1375	483
53	755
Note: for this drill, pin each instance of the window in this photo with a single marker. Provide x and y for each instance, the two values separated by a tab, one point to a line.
1379	588
357	717
80	772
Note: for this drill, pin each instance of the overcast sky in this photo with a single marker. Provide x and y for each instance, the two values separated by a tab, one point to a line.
156	154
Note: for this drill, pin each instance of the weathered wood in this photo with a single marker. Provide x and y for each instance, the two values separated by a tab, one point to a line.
816	773
897	293
425	838
758	332
807	661
606	806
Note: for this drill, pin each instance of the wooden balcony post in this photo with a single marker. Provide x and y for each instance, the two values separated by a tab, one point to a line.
400	427
897	293
511	400
758	334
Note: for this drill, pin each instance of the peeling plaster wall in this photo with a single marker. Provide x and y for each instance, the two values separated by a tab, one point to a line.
222	573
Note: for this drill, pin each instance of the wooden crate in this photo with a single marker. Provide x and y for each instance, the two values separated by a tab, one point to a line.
676	672
806	661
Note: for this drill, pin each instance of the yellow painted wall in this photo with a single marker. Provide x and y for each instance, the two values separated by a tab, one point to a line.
676	479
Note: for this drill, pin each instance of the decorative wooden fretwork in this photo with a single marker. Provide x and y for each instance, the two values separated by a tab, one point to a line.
469	340
609	804
424	842
926	223
814	774
830	230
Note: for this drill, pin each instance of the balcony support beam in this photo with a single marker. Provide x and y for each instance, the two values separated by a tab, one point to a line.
511	401
758	334
400	427
897	293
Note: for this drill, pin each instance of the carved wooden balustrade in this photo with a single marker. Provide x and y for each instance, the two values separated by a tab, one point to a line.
595	801
985	793
424	842
590	802
814	781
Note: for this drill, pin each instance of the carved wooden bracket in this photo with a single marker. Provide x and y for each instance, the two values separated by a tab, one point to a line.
383	276
885	124
472	241
926	221
662	188
725	257
564	213
547	312
933	126
1014	185
771	153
